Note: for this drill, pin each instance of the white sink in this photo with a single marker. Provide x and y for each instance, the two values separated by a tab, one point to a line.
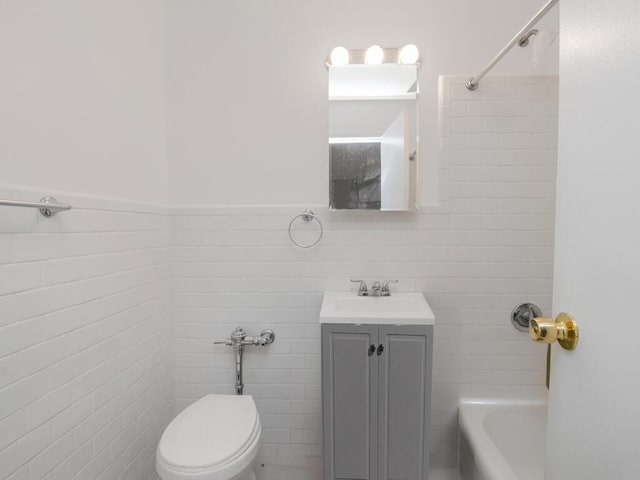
397	309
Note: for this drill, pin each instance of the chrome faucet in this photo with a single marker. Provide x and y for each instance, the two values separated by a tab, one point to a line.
238	340
377	290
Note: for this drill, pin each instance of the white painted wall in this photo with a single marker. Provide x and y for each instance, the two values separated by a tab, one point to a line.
247	85
82	97
83	92
594	416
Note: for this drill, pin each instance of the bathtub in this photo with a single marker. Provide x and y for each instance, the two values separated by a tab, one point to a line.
502	440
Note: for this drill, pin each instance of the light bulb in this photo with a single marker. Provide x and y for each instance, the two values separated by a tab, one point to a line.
409	54
373	55
339	56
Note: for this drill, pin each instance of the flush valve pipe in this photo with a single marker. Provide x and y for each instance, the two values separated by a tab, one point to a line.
238	340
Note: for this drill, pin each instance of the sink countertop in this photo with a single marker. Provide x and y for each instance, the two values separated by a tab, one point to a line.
397	309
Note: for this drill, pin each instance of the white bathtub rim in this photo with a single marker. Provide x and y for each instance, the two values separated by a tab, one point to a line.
471	414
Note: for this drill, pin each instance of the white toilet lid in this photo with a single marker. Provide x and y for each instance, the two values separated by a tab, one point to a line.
210	432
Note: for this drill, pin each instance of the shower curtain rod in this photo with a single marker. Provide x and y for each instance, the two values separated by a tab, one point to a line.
521	36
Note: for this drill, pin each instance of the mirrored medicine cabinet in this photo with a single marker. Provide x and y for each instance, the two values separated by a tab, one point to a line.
373	128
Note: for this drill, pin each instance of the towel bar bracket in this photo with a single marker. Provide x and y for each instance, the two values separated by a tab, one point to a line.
48	206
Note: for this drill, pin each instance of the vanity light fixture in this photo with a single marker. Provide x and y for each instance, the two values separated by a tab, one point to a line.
409	54
374	55
339	56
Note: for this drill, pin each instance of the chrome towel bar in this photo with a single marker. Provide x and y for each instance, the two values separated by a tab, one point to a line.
48	206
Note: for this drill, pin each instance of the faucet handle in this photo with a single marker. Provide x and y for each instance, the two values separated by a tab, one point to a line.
363	291
385	286
226	341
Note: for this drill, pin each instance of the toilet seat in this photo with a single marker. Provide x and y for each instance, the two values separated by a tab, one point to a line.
216	438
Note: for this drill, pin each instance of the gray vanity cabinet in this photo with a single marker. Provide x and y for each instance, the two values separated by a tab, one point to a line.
376	382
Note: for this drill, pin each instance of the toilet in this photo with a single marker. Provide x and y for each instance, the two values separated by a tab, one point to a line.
216	438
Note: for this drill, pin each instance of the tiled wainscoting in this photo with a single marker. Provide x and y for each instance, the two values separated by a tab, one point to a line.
85	373
485	249
109	307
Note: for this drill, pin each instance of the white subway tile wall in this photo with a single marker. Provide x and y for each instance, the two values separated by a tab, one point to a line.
86	382
486	248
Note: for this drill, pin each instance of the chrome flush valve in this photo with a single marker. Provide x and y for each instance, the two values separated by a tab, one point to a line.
238	340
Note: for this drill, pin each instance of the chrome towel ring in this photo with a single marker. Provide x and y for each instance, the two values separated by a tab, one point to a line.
307	216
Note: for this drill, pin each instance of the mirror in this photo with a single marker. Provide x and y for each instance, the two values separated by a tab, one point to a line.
373	138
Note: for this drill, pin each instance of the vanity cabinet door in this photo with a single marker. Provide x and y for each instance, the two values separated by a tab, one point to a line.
350	397
404	402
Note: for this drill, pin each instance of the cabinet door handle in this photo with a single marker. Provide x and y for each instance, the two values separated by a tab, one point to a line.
372	349
380	349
